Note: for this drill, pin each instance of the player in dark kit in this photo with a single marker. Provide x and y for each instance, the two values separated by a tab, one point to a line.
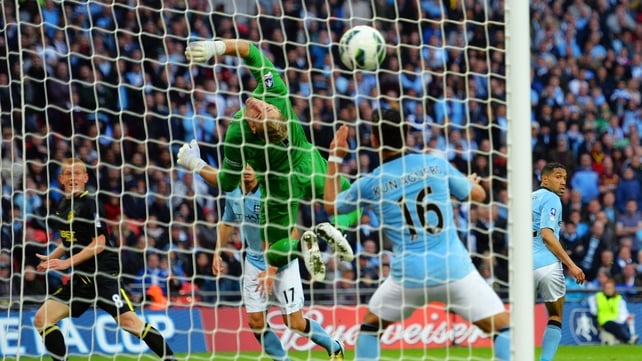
87	249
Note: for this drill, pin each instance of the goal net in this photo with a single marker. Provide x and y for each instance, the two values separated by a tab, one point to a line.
107	82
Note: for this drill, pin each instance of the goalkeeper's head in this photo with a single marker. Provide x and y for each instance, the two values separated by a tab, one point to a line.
389	129
265	120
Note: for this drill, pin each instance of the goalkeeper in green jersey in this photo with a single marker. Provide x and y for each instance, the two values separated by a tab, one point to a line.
267	134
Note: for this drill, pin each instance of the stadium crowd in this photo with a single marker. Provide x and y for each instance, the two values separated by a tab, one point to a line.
108	83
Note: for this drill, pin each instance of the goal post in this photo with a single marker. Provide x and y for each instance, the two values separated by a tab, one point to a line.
519	176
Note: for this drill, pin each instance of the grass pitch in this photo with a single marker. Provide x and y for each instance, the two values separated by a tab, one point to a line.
565	353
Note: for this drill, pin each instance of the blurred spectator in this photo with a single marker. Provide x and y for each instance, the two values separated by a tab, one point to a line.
585	179
623	257
367	231
346	287
612	313
175	274
608	207
609	178
571	240
629	282
202	276
628	189
8	286
490	239
603	274
135	200
33	285
367	275
152	274
629	222
593	245
581	226
231	279
206	231
228	285
133	257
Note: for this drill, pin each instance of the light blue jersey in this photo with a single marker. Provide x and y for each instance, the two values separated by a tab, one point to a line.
547	213
244	210
411	197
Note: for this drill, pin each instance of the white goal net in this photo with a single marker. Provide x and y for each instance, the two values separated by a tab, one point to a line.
107	82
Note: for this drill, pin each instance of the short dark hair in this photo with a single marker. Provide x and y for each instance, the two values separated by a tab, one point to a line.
551	166
390	129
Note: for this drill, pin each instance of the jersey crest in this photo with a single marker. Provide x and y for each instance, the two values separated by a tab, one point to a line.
268	80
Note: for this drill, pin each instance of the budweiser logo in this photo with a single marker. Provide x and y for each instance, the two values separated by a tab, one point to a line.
438	330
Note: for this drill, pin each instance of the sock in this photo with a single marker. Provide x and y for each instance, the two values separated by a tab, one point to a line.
367	347
551	340
156	342
319	336
272	345
502	344
54	342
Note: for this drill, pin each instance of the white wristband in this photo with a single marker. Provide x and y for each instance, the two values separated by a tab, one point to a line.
219	47
199	165
335	159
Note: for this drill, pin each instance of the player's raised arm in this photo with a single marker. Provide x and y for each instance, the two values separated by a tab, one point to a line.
189	156
203	50
338	150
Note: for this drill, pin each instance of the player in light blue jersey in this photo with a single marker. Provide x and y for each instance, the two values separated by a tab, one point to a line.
548	254
261	283
410	193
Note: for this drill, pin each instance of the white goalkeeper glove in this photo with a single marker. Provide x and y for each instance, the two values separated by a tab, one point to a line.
202	51
189	156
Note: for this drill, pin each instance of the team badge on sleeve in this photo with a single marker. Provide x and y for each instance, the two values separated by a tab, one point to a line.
268	80
553	215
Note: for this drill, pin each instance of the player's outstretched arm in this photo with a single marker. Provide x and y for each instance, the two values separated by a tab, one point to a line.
338	150
189	156
203	50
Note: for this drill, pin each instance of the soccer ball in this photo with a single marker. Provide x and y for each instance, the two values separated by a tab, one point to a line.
362	47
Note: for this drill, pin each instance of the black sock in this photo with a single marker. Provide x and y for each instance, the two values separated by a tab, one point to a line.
555	323
54	342
156	342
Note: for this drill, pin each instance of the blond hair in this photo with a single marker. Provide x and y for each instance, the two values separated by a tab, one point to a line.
71	161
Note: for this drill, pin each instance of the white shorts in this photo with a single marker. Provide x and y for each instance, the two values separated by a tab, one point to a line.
287	290
549	282
470	297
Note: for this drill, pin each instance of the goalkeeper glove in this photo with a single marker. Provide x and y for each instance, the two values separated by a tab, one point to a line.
202	51
189	156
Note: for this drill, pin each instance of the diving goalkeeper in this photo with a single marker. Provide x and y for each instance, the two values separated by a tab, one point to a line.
267	134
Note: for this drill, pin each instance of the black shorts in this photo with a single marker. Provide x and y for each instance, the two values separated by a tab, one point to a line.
82	292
